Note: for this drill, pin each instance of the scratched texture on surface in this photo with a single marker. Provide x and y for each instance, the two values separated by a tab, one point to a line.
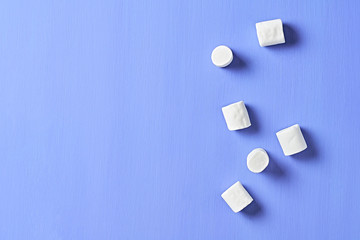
111	124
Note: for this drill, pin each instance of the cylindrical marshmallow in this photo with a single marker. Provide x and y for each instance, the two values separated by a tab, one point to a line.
222	56
270	32
236	116
257	160
237	197
291	140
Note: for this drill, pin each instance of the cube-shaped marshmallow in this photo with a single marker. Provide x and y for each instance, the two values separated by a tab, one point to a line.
291	140
237	197
236	116
270	32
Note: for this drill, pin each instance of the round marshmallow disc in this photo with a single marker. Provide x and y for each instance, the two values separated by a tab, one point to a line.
222	56
257	160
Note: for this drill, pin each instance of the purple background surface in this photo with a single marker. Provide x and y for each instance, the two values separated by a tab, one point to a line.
111	123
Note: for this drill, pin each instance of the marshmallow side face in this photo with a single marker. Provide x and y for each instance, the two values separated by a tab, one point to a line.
237	197
291	140
257	160
221	56
236	116
270	32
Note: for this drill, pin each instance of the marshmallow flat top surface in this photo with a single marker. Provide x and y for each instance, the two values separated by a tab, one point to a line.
270	32
257	160
237	197
291	140
222	56
236	116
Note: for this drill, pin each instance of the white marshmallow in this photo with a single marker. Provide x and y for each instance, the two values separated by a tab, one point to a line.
237	197
221	56
257	160
270	32
236	116
291	140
